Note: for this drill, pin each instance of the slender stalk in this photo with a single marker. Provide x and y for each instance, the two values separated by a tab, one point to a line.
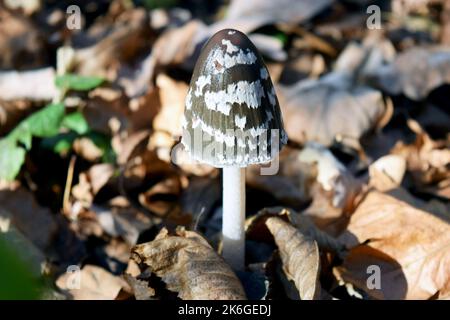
233	233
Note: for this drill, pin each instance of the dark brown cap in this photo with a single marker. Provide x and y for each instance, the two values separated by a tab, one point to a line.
232	116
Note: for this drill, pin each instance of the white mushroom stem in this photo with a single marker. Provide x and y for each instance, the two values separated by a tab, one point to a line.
233	233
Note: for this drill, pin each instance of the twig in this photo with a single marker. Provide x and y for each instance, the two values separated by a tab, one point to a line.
68	186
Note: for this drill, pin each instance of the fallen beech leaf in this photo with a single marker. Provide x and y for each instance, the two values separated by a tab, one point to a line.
100	175
162	198
268	46
250	15
256	228
125	39
189	266
140	288
173	47
95	284
33	221
410	245
331	174
173	94
22	42
282	188
330	109
300	256
87	149
387	172
426	159
124	221
200	197
35	85
415	72
130	146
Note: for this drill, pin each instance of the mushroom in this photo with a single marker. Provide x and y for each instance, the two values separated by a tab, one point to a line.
232	120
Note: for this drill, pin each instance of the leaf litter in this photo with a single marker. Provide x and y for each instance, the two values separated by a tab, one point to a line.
91	175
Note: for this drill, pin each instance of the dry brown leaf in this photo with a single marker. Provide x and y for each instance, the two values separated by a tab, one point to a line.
124	221
173	94
300	256
35	85
95	284
189	266
128	35
282	188
410	245
140	288
426	159
387	172
256	228
250	15
130	146
162	198
330	109
100	175
23	45
11	112
415	72
173	47
200	197
331	174
33	221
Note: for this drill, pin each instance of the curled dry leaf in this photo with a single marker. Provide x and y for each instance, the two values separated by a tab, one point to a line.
411	247
100	175
426	159
140	288
387	172
95	284
331	174
189	266
257	230
300	256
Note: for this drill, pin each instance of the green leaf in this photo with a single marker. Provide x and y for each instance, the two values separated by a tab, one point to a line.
282	37
45	122
17	281
76	82
11	159
23	135
76	122
61	143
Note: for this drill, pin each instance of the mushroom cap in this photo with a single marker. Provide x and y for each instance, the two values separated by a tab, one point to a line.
232	116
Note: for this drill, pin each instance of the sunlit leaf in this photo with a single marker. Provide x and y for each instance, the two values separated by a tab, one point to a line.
76	122
76	82
11	159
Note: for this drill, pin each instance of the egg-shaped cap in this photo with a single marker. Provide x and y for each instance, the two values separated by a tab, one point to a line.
232	116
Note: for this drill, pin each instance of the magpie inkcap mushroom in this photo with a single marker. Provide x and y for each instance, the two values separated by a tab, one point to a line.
232	116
